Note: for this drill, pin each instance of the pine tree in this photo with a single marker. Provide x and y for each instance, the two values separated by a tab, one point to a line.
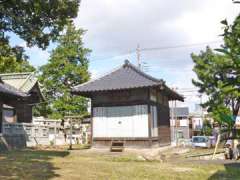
218	75
67	67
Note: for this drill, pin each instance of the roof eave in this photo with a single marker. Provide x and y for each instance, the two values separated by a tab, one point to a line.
173	95
89	93
14	95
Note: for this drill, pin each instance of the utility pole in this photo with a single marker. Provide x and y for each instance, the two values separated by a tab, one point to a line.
173	122
175	119
70	121
202	115
138	56
55	133
70	144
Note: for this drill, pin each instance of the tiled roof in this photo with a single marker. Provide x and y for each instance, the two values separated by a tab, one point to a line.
127	76
180	111
21	81
6	89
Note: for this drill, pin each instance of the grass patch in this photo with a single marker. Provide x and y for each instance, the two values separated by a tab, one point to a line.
84	164
29	164
202	152
124	158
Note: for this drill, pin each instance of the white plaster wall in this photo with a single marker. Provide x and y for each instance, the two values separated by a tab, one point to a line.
122	121
184	122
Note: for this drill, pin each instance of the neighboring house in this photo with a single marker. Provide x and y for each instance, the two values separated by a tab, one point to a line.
25	83
181	125
129	106
19	92
10	95
198	117
197	122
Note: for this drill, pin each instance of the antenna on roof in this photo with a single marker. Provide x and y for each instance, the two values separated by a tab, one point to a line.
138	56
126	61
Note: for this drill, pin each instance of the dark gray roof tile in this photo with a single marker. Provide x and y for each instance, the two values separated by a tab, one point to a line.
126	77
9	90
180	111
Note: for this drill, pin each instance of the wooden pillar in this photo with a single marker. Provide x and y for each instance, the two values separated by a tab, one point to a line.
20	112
158	122
149	120
1	116
149	125
24	113
91	124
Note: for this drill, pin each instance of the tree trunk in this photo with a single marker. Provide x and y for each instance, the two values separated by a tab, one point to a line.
234	130
216	146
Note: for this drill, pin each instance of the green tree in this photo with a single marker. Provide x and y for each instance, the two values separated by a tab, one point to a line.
207	128
36	22
218	74
13	60
236	1
213	80
67	67
223	116
231	51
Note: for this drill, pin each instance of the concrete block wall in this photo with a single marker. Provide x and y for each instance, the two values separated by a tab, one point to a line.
10	142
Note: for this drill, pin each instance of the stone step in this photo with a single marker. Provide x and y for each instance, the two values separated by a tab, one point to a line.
117	146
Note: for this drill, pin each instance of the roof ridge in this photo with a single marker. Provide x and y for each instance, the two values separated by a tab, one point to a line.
126	64
29	76
12	89
103	75
19	73
127	76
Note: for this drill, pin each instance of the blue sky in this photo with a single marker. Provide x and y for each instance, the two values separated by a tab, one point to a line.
114	28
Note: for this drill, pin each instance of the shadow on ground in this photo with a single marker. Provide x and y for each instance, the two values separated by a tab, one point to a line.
231	171
29	164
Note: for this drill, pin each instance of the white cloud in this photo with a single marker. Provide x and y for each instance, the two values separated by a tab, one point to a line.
94	74
203	24
116	27
37	56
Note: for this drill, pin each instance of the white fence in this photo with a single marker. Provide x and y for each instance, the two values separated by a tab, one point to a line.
31	130
35	134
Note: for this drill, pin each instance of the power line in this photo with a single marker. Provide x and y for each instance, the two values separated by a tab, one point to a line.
170	47
138	49
113	57
195	90
156	68
179	46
